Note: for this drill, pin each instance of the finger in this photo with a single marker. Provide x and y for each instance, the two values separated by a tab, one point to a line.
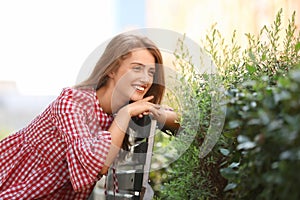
167	108
154	110
146	113
154	114
147	98
143	114
156	106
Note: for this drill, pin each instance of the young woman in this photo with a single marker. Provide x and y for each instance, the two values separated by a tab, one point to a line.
64	151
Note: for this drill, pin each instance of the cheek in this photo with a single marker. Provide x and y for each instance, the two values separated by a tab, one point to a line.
124	83
151	81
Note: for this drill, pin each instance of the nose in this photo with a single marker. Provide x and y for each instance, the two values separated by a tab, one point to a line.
145	77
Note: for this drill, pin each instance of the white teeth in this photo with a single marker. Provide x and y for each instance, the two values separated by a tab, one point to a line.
139	88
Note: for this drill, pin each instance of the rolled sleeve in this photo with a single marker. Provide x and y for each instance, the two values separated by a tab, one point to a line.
86	158
86	152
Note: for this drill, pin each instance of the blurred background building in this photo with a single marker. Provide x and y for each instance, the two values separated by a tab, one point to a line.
44	43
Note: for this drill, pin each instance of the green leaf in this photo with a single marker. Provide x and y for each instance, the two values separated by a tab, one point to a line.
242	139
263	115
234	165
230	186
286	155
225	152
251	69
246	146
252	55
234	124
283	95
295	75
284	82
228	173
230	134
264	57
297	46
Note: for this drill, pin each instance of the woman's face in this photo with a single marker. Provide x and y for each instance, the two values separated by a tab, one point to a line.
135	75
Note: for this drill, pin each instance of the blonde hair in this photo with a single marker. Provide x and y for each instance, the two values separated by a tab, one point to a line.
115	52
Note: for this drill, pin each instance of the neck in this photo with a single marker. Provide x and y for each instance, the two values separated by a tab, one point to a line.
109	102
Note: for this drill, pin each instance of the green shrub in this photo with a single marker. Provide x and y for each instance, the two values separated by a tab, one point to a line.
262	118
257	156
266	121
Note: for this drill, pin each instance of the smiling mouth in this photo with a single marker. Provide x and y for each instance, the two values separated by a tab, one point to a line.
139	88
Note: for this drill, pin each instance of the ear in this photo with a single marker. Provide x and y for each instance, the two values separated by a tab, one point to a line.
111	74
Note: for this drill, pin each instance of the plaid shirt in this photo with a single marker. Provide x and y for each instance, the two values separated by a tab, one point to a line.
60	153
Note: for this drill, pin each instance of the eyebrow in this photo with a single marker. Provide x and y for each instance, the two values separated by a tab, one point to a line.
135	62
139	63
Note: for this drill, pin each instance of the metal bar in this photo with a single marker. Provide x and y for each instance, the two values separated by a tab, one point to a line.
147	165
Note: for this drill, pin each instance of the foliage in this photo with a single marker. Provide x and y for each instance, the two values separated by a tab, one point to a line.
191	177
182	176
257	155
259	112
266	121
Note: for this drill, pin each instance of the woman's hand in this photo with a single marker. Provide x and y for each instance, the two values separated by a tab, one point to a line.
119	125
164	115
142	107
168	119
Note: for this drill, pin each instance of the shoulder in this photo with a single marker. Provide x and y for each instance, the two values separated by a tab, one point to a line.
71	98
78	93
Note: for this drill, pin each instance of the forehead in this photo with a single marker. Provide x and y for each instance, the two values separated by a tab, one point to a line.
142	56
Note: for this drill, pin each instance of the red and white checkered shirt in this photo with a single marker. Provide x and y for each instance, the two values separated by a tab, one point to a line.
60	153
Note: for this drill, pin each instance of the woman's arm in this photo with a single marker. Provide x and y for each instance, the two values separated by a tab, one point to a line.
168	119
119	126
171	122
118	131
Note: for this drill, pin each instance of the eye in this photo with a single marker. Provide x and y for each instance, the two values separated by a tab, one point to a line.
152	72
137	68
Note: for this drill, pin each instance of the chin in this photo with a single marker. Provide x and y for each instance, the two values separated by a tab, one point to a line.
136	97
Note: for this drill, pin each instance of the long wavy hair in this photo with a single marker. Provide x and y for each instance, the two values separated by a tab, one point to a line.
117	50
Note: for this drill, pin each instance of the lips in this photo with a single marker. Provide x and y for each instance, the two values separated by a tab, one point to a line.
140	88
